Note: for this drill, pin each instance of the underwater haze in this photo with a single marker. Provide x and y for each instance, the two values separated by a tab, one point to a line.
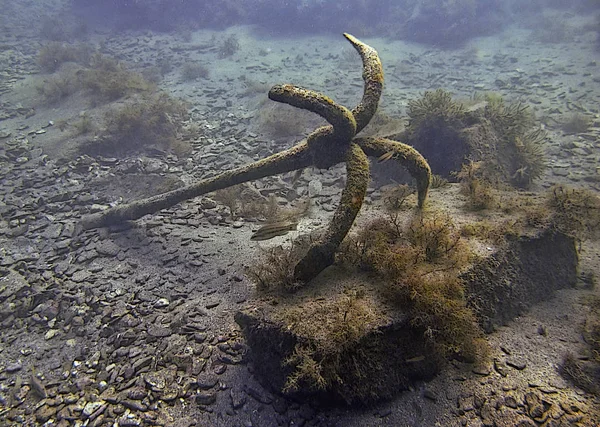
299	213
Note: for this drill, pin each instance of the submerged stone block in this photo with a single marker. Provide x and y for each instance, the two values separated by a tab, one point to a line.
388	353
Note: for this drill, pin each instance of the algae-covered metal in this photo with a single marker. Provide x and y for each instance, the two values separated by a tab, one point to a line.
323	148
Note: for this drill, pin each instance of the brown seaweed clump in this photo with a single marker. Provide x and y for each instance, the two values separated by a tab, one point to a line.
53	55
486	129
476	186
574	212
420	263
435	125
151	122
102	78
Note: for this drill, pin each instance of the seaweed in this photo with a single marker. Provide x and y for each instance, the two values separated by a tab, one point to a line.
56	88
154	121
337	325
576	123
108	80
575	212
83	125
52	55
435	109
194	71
476	186
529	159
420	263
228	46
395	196
103	78
438	181
274	272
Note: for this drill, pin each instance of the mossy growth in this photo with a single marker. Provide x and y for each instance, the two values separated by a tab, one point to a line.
503	135
274	272
420	263
103	78
395	196
155	121
575	212
58	87
83	125
435	108
108	80
337	325
476	186
435	124
576	123
191	71
521	153
438	181
53	55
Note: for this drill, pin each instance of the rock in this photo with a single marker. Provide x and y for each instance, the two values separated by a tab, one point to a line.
206	382
207	203
92	407
238	399
108	248
206	398
158	331
511	402
11	368
161	303
517	363
219	369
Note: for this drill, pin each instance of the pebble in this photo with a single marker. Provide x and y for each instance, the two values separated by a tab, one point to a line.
517	363
13	367
206	399
91	407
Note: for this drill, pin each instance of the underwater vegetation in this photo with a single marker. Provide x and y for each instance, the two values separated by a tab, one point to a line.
476	186
283	122
575	212
107	80
149	119
344	321
576	123
395	196
585	374
194	71
54	89
228	46
275	270
486	129
104	79
52	55
154	121
414	267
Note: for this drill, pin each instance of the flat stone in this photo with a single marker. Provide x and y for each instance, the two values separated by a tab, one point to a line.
108	248
206	398
517	363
